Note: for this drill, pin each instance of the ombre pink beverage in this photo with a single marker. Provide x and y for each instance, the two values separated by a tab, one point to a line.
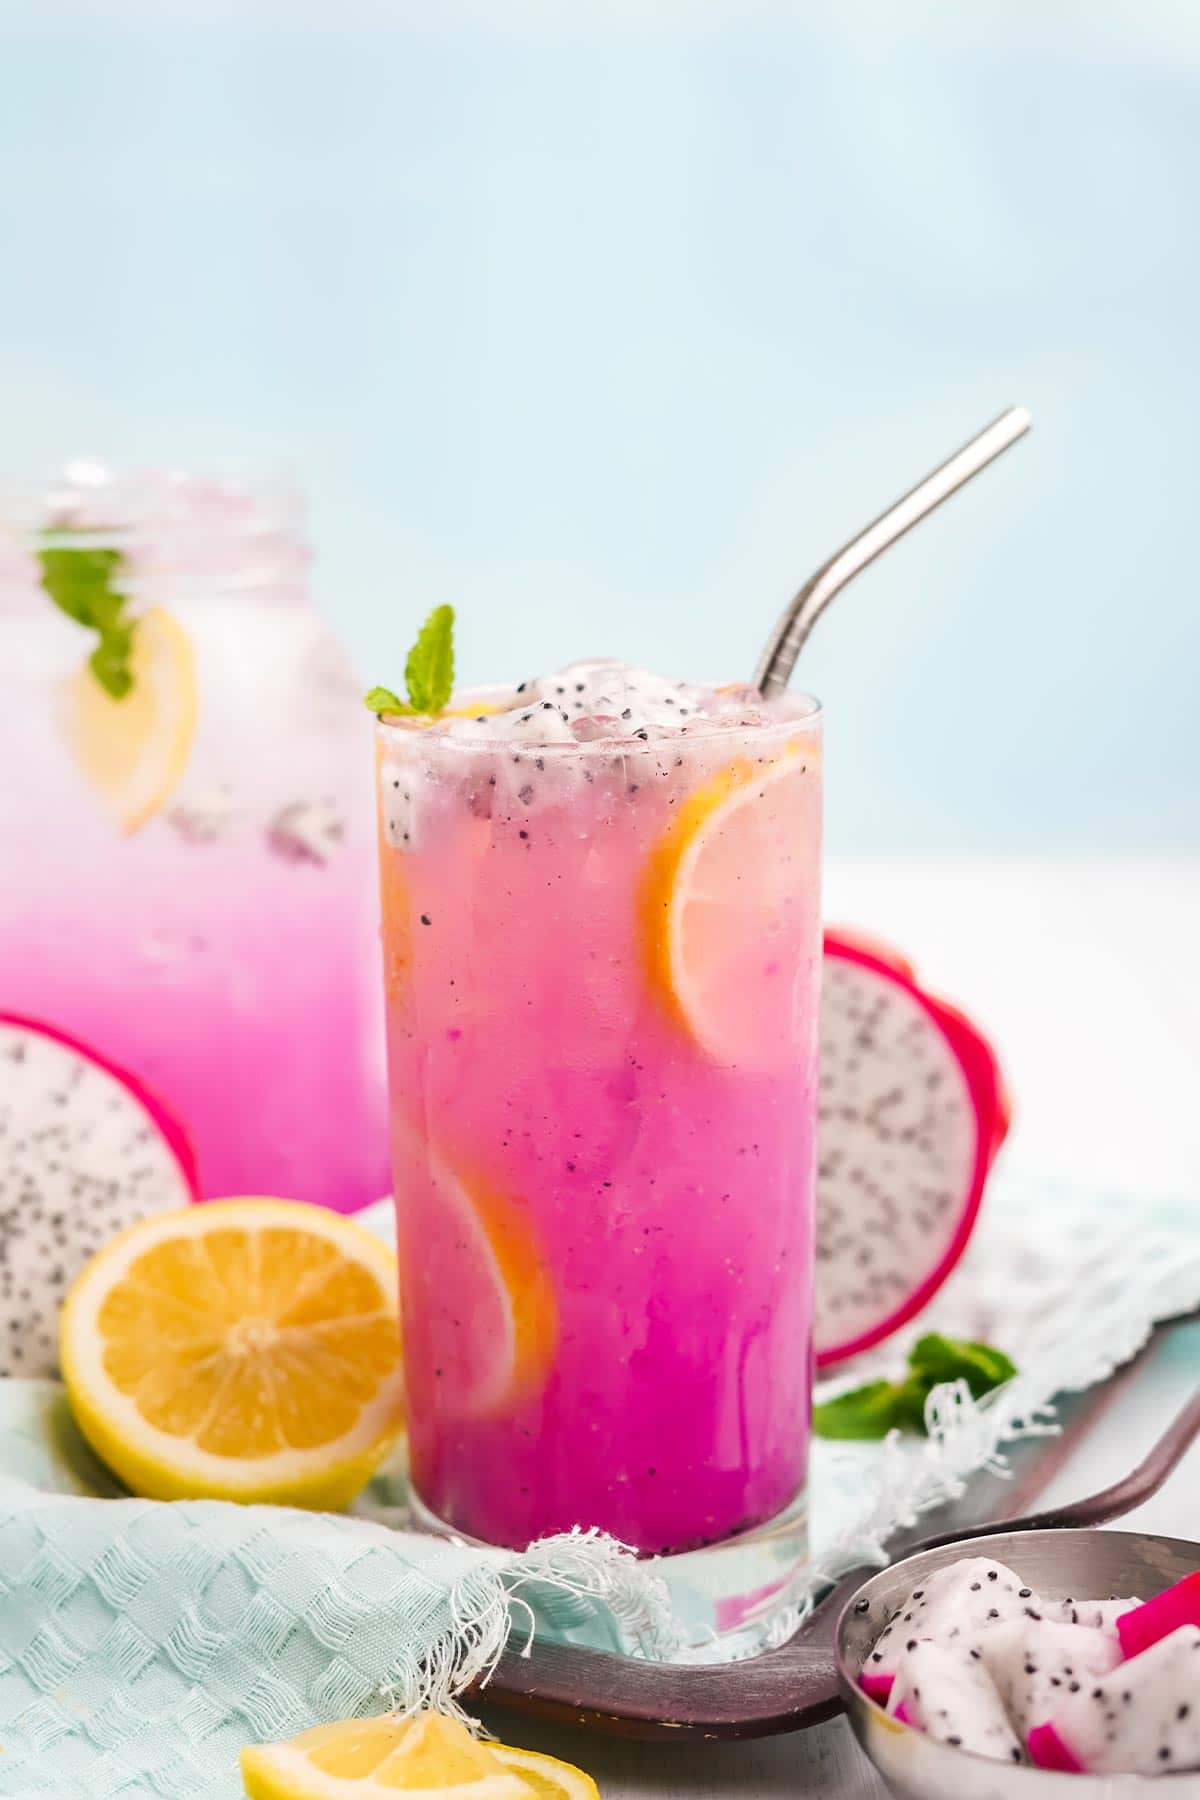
188	884
601	934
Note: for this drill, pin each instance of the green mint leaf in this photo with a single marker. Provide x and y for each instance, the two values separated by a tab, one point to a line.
83	584
382	700
429	671
934	1359
911	1395
109	663
866	1412
882	1406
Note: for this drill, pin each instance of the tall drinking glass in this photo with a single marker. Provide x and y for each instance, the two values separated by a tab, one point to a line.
602	964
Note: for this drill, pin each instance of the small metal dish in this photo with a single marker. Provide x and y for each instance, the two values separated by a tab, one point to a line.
1084	1564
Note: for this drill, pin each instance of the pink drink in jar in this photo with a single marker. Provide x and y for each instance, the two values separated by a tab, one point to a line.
189	885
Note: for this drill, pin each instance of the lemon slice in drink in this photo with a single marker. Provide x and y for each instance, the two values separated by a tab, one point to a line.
238	1350
729	907
375	1759
133	751
481	1318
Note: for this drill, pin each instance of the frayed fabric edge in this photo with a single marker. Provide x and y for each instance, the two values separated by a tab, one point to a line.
482	1608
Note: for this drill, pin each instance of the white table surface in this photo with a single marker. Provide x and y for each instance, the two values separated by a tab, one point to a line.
1086	973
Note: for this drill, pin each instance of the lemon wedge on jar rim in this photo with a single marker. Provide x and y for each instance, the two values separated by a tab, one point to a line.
238	1350
375	1759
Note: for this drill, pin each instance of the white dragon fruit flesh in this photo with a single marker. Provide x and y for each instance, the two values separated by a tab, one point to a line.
84	1151
953	1606
980	1661
1101	1615
912	1112
943	1690
1142	1719
1037	1663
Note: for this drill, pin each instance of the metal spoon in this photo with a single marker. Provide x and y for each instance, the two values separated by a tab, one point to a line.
798	618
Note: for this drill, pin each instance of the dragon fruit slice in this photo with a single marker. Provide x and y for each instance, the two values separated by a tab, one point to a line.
84	1150
1036	1664
912	1112
945	1691
1100	1615
1143	1719
1155	1619
952	1607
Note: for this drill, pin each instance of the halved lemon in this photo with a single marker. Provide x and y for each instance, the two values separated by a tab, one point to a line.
134	750
729	906
481	1318
238	1350
370	1759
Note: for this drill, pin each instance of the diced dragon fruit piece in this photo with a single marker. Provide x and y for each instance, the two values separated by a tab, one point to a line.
1142	1719
1036	1663
953	1604
1099	1615
946	1692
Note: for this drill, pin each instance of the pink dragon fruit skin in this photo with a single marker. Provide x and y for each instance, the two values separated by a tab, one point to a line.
1155	1619
87	1150
1047	1751
1142	1719
908	1086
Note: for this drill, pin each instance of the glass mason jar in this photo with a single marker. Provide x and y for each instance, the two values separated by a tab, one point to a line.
602	963
188	874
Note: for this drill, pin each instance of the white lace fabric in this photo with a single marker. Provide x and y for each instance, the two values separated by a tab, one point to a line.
1071	1285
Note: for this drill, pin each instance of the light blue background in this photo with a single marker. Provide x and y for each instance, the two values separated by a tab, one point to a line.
608	321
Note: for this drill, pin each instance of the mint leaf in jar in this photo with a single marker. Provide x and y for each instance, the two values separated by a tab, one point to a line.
83	584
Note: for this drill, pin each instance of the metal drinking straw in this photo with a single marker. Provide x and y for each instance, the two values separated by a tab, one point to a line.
798	618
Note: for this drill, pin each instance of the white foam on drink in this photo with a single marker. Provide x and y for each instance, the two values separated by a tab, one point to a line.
609	727
588	701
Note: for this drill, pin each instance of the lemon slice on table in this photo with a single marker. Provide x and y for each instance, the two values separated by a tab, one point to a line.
368	1759
133	750
729	906
238	1350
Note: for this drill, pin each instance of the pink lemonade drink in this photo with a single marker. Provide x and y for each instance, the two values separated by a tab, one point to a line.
601	937
189	876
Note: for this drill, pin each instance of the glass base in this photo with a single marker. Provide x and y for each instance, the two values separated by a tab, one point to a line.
730	1600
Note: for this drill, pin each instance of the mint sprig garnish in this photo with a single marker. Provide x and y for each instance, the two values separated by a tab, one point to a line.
428	672
882	1406
83	584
